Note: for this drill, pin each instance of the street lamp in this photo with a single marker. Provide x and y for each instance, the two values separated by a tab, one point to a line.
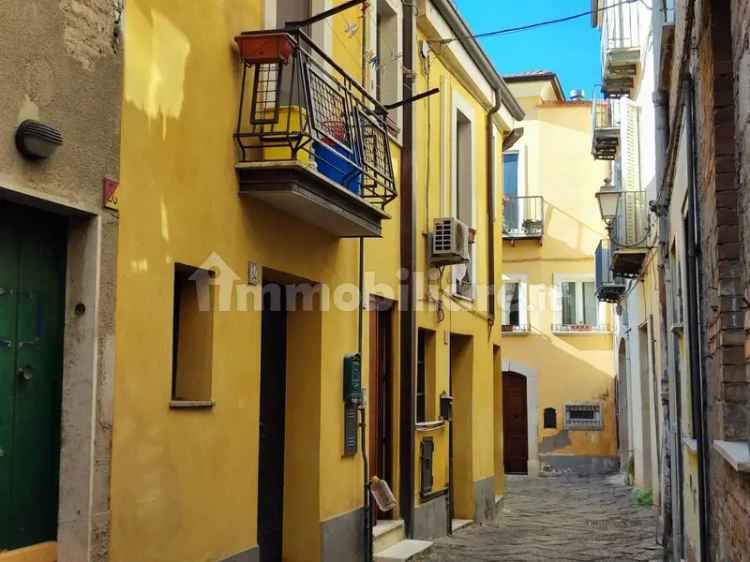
609	199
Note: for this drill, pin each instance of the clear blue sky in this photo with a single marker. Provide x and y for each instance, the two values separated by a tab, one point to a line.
570	49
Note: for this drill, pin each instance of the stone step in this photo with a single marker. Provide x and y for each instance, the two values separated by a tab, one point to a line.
387	533
403	551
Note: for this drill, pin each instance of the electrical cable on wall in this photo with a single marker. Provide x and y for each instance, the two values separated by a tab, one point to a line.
530	26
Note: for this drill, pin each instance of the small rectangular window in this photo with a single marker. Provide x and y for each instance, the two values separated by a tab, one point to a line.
579	305
192	335
583	416
512	306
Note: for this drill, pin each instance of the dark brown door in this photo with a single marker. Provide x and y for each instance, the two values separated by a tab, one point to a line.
381	341
515	424
272	408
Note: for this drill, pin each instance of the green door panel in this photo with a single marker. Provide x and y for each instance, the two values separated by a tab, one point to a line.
34	377
8	287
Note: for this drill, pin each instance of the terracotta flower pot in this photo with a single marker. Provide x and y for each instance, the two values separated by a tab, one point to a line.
265	48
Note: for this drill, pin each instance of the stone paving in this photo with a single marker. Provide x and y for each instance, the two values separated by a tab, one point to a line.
564	518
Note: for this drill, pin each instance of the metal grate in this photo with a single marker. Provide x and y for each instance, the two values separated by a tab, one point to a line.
329	111
266	90
583	416
350	430
376	156
427	448
442	240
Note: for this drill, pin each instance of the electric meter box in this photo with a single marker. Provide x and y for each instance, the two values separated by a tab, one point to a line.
352	378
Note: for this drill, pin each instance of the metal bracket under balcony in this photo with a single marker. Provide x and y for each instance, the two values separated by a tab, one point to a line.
609	288
523	218
312	197
311	140
627	262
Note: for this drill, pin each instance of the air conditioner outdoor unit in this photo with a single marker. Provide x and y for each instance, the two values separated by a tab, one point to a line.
449	242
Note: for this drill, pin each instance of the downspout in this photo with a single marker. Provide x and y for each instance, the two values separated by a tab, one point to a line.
695	320
661	119
407	312
491	210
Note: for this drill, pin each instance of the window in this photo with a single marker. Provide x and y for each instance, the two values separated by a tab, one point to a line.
550	418
388	59
585	416
463	198
511	308
578	304
511	220
192	336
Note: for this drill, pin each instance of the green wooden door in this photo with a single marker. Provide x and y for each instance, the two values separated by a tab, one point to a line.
32	287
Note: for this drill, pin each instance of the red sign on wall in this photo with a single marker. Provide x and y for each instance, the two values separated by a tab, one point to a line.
109	192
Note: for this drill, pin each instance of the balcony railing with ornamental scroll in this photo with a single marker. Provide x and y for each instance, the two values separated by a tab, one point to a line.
630	234
302	114
523	217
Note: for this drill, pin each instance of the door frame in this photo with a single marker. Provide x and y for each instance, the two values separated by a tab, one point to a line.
88	374
381	308
532	409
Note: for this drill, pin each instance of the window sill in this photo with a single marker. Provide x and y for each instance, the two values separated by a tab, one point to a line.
430	425
691	444
736	453
191	404
575	333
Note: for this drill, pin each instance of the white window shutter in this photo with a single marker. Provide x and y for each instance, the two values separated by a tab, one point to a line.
630	169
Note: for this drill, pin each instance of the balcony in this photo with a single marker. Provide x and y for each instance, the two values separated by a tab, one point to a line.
630	234
312	142
621	49
606	129
579	329
523	218
515	329
608	287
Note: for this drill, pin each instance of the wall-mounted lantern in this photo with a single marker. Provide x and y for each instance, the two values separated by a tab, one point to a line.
36	140
609	199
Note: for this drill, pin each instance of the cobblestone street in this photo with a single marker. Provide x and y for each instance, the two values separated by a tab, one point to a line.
559	519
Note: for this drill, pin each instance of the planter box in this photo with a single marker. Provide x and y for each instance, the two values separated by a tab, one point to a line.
265	48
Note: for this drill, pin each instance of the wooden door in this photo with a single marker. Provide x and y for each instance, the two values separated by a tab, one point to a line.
515	424
272	427
379	399
32	292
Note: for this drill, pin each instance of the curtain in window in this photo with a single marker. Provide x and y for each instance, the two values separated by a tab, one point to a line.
590	304
568	289
511	308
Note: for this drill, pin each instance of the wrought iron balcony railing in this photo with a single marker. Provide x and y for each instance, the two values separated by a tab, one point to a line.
297	104
630	234
606	128
609	288
523	217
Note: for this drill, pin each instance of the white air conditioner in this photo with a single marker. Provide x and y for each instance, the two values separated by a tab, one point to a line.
449	242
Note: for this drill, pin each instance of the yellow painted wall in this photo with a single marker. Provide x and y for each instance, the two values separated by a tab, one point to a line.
475	414
555	160
195	494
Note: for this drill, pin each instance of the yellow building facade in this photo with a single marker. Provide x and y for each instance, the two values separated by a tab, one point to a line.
252	165
559	407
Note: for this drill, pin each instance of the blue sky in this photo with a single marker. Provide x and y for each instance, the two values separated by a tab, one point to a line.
570	49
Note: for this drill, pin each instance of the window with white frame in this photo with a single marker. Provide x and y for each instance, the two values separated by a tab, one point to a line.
515	314
585	416
388	59
463	193
578	306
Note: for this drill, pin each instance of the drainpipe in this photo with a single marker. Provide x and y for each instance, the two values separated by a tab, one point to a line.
661	125
695	321
491	209
407	312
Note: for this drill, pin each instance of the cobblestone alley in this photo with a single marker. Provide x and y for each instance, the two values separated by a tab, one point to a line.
559	519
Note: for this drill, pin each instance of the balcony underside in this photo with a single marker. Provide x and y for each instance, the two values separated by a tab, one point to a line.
620	70
310	196
610	293
627	262
606	141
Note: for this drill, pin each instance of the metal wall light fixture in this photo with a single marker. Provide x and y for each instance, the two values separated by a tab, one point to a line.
36	140
609	199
